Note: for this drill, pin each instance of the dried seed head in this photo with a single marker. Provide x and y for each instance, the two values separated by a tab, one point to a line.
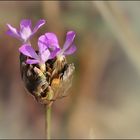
51	84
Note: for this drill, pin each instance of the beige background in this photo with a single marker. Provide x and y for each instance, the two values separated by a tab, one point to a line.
105	98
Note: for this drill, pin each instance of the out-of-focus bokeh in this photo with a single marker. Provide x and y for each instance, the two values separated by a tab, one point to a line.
105	97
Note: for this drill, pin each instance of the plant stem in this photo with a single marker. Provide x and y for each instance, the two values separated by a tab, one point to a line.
47	122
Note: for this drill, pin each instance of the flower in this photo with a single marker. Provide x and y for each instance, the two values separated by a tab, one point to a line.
51	79
51	42
26	31
43	55
35	58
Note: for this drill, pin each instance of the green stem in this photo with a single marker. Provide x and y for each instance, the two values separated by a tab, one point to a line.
47	122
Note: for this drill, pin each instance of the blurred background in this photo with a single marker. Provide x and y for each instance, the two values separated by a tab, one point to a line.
105	97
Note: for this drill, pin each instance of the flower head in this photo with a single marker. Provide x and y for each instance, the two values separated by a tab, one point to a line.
41	57
49	80
51	42
26	31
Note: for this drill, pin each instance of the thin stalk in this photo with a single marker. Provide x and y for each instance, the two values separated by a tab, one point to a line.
47	122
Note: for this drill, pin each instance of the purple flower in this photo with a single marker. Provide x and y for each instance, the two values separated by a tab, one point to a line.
43	55
51	42
26	31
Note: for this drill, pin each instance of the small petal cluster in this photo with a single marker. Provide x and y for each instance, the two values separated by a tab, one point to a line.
48	44
51	42
41	57
26	31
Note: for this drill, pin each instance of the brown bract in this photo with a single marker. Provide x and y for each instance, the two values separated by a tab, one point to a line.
49	85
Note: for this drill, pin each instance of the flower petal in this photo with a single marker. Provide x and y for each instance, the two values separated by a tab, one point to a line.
25	23
38	25
45	56
71	50
25	29
69	39
28	51
51	40
51	36
13	31
32	61
54	53
42	44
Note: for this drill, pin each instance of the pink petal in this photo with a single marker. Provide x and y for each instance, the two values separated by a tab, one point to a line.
13	31
71	50
38	25
32	61
42	44
28	51
25	23
51	40
54	53
51	36
25	29
69	39
45	56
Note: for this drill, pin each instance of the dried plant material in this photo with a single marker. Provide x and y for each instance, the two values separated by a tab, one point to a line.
50	85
